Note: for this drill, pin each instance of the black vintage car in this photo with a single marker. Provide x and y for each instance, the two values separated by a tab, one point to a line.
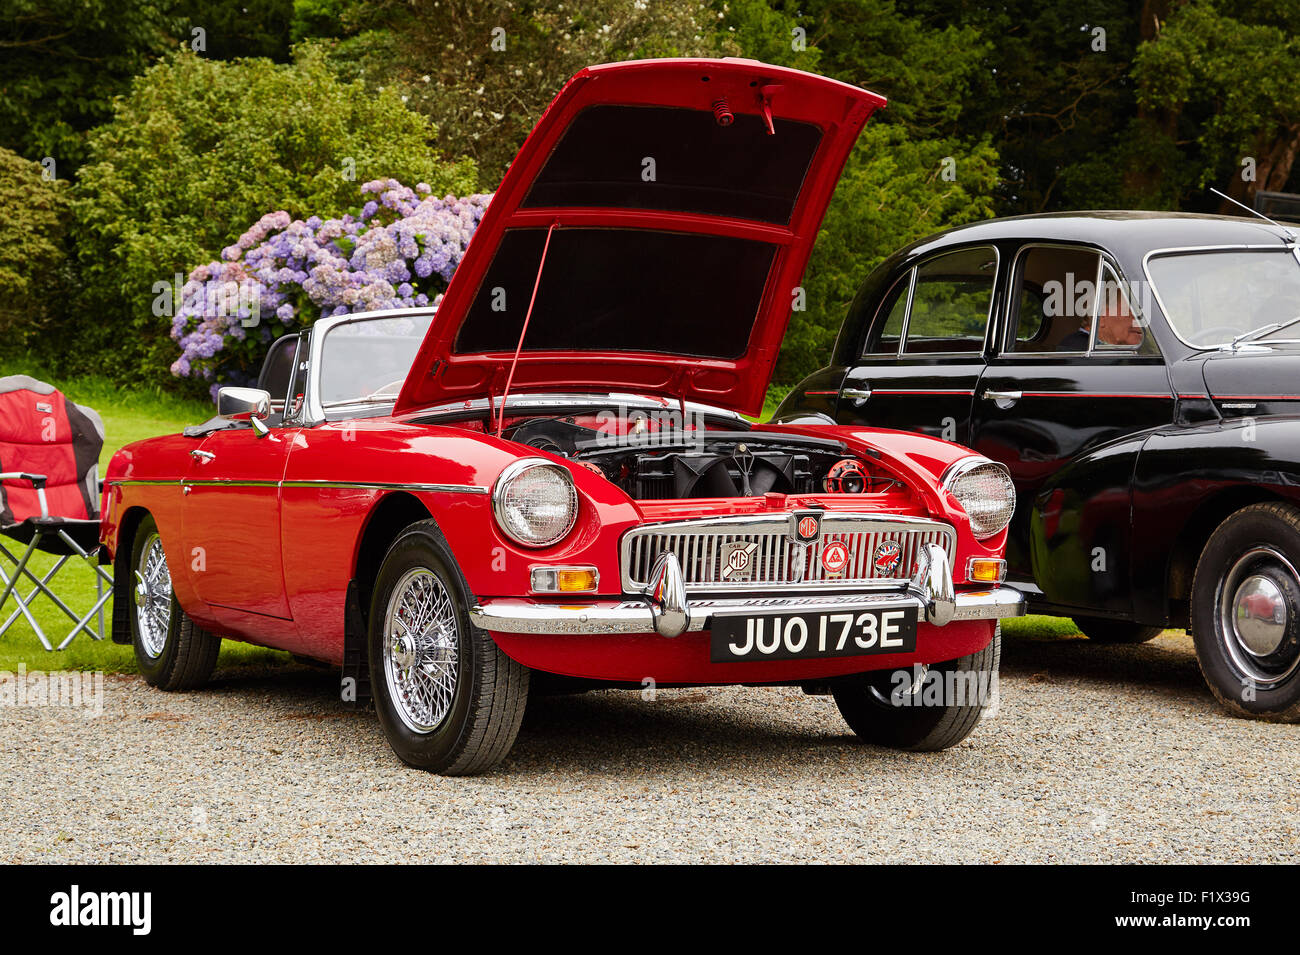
1139	375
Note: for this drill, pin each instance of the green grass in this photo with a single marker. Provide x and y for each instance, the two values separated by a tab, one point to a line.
129	415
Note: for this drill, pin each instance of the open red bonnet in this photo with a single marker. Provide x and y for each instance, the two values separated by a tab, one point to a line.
681	199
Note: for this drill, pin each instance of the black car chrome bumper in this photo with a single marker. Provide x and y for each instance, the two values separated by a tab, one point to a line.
666	610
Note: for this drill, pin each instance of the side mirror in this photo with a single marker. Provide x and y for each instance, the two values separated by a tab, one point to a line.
244	404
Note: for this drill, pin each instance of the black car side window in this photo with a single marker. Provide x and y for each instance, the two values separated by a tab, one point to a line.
1069	301
888	333
950	302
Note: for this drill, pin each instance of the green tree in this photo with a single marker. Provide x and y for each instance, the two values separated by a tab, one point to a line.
34	209
62	61
1052	90
1218	86
199	149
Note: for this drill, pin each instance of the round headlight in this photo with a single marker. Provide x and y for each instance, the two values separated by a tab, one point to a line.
534	502
985	492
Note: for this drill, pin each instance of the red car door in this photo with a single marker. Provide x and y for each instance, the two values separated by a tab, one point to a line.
231	521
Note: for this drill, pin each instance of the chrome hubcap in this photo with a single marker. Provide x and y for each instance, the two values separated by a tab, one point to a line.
1256	615
1259	611
153	597
420	650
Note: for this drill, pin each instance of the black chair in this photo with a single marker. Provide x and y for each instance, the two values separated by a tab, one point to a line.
49	498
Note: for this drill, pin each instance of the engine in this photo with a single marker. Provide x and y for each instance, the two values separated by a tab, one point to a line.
675	464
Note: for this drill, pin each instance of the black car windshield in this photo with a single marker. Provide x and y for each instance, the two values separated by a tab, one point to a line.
1211	298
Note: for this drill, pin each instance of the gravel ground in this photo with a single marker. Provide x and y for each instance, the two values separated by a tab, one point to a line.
1096	754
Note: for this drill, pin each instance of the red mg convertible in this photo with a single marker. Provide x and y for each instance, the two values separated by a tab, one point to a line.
549	479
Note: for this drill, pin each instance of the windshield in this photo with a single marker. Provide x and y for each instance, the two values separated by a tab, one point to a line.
1211	298
367	360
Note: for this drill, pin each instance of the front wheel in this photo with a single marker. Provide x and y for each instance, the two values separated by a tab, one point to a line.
448	699
925	708
173	652
1246	612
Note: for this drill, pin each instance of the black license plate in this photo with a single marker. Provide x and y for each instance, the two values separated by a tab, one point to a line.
800	636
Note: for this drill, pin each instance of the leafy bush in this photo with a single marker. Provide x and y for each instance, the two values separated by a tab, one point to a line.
199	149
400	251
34	211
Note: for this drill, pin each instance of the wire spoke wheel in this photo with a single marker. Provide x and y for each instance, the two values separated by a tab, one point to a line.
421	649
153	597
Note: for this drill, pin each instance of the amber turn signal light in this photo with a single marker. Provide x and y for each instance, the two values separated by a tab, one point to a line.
565	580
986	570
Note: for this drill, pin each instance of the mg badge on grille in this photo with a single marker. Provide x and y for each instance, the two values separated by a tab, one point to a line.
887	558
835	557
805	527
738	560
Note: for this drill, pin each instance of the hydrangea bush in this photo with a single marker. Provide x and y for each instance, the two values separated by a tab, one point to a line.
399	251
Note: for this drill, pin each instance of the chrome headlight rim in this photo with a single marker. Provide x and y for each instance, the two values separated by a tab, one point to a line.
964	466
507	476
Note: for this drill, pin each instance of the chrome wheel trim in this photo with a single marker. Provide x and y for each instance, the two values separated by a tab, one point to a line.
153	598
421	649
1255	615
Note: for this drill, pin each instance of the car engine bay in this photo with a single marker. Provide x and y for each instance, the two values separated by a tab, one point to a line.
669	463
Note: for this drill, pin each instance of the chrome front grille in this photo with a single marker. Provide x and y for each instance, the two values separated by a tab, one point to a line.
776	562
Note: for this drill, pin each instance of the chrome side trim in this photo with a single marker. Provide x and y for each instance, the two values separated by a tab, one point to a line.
391	486
344	485
519	615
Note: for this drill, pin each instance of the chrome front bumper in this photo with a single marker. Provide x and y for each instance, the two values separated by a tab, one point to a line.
665	609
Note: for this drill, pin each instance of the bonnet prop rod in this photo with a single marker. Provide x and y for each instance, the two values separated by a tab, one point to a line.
501	417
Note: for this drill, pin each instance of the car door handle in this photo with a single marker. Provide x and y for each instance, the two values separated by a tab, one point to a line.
859	395
1010	397
203	457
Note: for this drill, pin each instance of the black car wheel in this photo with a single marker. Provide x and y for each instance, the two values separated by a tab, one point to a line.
1100	630
448	699
172	651
1246	612
897	709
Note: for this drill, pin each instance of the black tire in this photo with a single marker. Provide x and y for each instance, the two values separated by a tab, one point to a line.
179	655
878	713
476	729
1260	541
1101	630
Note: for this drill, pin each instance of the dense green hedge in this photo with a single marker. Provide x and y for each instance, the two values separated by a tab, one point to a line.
33	286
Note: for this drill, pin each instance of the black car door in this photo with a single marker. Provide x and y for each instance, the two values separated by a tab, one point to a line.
1073	368
923	353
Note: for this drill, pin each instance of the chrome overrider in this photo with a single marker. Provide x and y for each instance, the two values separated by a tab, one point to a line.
665	609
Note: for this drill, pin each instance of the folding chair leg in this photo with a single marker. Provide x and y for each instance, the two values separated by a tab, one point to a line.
19	567
81	624
101	577
42	584
22	608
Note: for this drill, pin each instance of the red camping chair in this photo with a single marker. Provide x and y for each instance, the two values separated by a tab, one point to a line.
49	496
